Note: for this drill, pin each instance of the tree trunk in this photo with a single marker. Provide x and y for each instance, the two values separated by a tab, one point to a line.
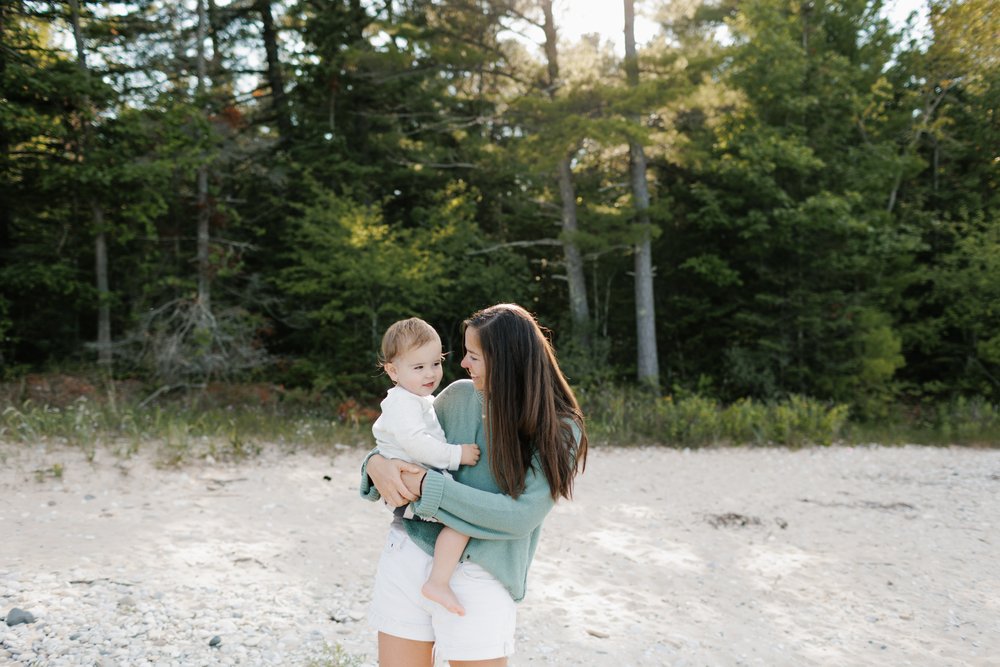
100	240
103	292
213	29
579	307
274	75
647	364
5	216
204	214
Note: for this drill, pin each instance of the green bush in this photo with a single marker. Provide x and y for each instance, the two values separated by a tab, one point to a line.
961	420
619	415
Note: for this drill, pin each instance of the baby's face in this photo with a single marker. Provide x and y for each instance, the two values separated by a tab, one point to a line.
418	370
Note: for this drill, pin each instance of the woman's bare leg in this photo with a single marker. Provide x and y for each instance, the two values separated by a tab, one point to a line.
398	652
496	662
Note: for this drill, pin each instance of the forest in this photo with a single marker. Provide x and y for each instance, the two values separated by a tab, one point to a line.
771	201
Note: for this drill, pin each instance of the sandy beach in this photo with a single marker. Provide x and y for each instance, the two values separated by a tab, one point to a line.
833	556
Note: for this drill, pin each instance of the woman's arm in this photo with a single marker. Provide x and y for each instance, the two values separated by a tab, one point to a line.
474	512
383	478
482	514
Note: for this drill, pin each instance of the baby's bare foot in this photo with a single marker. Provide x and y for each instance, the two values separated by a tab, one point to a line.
444	596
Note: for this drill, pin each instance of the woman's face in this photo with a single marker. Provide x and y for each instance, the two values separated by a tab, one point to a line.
473	361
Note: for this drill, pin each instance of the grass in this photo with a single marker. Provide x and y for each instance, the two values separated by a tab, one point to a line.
336	656
631	416
179	432
234	424
964	421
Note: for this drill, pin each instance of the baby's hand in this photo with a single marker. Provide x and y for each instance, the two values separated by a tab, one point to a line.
470	454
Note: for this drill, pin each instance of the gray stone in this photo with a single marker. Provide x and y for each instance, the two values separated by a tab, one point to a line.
215	641
17	616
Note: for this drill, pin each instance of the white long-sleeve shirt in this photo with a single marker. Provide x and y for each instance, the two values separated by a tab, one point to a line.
408	429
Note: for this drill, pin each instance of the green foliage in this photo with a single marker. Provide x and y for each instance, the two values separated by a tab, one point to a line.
354	266
878	358
824	196
962	318
353	274
182	431
620	415
969	421
41	285
235	422
781	251
948	318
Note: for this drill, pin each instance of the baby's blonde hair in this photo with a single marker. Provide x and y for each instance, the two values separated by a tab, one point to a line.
403	336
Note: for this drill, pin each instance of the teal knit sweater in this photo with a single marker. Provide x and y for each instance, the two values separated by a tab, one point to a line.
504	531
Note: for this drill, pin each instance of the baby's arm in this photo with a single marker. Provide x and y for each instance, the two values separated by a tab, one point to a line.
470	454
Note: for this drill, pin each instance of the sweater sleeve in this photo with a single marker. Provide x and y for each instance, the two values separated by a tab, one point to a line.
367	489
482	514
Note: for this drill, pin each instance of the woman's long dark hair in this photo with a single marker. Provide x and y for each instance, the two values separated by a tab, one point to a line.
529	402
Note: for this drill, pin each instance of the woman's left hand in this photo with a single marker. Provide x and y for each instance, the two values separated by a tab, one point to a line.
414	481
387	476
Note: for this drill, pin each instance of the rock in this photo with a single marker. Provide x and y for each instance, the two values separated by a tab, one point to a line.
17	616
215	641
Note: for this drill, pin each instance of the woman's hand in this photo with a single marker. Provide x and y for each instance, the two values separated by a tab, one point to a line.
388	477
414	481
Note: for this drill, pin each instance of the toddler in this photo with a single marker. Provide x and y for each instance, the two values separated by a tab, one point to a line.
408	429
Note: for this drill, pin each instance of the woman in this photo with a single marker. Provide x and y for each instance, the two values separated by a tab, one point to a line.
519	409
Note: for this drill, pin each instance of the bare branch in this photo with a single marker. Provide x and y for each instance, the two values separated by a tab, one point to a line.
438	165
515	244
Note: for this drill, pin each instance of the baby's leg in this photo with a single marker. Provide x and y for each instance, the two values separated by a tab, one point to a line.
447	552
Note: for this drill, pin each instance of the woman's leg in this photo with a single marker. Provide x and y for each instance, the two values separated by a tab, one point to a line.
405	631
497	662
398	652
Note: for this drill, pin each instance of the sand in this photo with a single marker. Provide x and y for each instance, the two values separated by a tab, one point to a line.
831	556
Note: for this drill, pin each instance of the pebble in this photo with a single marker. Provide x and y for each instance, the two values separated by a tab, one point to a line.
17	616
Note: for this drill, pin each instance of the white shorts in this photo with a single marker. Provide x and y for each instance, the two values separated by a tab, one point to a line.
399	609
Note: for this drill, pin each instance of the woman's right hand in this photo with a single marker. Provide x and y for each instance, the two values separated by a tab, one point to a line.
387	476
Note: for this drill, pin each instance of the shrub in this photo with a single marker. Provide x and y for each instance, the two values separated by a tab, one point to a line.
628	416
961	420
